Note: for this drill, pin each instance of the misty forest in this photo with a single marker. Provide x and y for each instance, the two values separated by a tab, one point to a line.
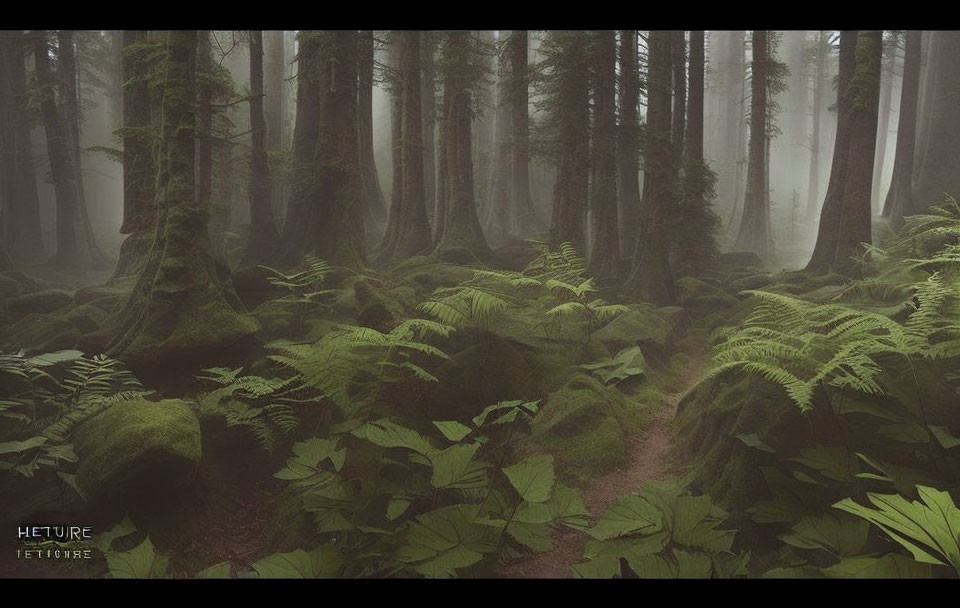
495	304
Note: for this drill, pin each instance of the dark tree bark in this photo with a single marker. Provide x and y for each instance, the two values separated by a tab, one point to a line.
571	187
72	250
410	234
497	217
273	107
845	220
678	47
899	201
139	171
605	256
883	126
819	79
68	87
183	305
264	237
754	233
204	119
21	231
627	144
938	172
394	83
526	220
652	277
461	225
374	208
428	96
329	220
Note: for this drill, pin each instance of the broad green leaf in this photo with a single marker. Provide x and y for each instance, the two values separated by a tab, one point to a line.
452	430
534	536
694	523
631	549
55	357
452	465
605	567
567	507
386	434
930	529
945	436
533	513
532	478
753	441
691	564
221	570
793	572
626	363
104	540
396	507
628	515
528	407
307	457
653	566
143	561
835	463
839	534
440	542
323	562
18	447
909	432
892	565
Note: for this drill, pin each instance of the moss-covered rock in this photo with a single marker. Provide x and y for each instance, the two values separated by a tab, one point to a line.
40	333
41	302
114	290
596	447
636	326
754	281
86	317
138	448
277	320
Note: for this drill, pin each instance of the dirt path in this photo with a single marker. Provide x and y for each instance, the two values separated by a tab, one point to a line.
646	462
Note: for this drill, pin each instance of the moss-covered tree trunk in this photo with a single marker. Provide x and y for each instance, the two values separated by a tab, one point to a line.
846	216
899	201
754	233
264	238
938	171
374	208
652	277
183	305
678	49
21	229
409	233
628	153
204	91
139	170
526	219
328	221
461	226
605	254
570	190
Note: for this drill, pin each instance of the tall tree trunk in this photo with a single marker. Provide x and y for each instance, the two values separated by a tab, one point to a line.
627	144
395	83
183	306
845	219
526	220
678	47
139	171
754	233
68	86
204	117
497	217
374	208
428	96
886	95
605	254
482	132
408	212
461	226
329	221
264	238
652	276
819	78
571	188
273	107
938	171
929	59
899	201
22	230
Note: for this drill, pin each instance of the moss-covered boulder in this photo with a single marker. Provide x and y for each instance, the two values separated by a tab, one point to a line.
753	281
138	448
40	333
583	424
41	302
113	291
87	317
636	326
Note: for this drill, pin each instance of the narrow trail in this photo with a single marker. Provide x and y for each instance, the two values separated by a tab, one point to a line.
647	461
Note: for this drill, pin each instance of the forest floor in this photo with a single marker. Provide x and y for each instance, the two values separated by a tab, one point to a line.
649	459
